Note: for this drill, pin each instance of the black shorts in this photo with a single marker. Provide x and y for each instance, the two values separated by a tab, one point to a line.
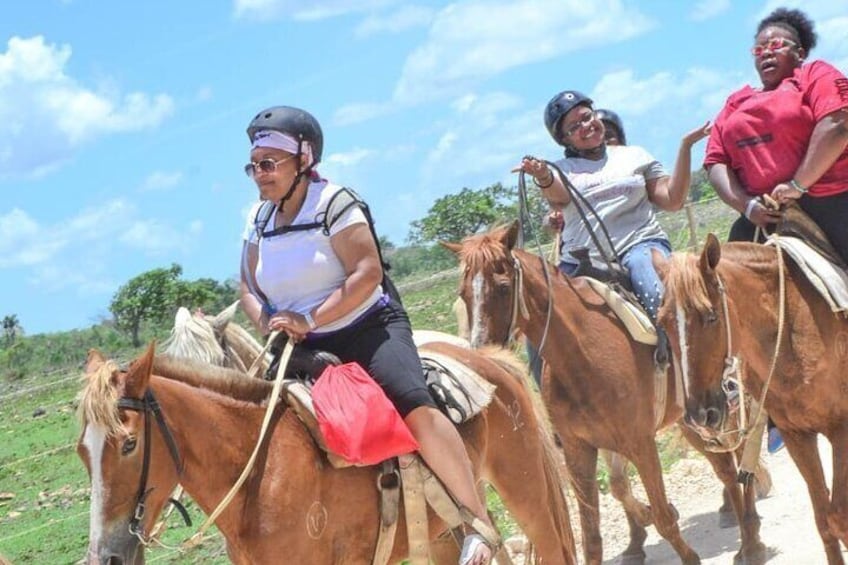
382	344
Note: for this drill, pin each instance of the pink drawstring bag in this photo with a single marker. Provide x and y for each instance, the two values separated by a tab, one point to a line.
357	419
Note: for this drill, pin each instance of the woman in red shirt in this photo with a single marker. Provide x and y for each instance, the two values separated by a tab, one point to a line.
787	138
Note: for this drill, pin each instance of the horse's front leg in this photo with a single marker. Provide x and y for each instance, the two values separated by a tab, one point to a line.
838	515
638	513
804	450
647	462
743	502
581	460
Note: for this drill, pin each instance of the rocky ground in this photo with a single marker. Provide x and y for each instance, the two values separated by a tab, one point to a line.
788	528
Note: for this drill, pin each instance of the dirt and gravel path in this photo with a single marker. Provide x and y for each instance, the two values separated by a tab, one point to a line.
788	529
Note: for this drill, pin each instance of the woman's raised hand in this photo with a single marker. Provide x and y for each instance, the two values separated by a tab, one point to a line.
697	134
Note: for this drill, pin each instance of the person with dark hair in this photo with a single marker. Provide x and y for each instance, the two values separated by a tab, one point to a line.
623	184
322	284
786	138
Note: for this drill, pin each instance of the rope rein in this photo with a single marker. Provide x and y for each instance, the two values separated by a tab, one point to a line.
197	538
733	365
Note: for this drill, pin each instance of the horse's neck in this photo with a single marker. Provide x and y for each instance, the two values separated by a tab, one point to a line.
214	437
540	291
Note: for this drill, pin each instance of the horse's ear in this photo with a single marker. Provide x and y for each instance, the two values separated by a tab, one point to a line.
661	264
93	361
138	374
454	248
710	255
224	317
511	235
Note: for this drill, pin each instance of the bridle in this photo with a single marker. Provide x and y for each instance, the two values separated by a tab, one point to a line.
732	382
148	406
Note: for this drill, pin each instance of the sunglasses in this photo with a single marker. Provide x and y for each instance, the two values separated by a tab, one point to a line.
772	44
264	166
582	123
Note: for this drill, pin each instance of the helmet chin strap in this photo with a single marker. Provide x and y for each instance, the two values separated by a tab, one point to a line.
298	176
593	153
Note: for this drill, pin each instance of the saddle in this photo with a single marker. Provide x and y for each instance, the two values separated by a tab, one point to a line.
458	391
796	223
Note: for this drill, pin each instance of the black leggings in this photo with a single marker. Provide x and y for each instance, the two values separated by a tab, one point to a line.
382	344
829	212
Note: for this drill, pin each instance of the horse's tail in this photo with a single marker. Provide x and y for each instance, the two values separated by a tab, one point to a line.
554	474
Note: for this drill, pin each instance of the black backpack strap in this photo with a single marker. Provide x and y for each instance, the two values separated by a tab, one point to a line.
342	201
263	216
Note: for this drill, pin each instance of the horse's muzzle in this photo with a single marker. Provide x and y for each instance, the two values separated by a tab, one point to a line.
707	421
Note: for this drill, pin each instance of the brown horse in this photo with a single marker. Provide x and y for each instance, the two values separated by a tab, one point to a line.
791	345
294	503
598	385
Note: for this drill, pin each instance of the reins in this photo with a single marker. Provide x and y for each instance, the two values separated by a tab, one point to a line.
272	404
732	365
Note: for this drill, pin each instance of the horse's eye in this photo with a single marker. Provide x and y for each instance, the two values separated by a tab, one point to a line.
129	445
711	317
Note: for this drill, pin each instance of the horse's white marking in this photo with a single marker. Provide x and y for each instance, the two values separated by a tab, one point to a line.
684	345
514	411
94	439
478	331
316	520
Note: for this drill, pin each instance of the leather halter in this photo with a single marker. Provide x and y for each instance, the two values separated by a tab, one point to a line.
148	405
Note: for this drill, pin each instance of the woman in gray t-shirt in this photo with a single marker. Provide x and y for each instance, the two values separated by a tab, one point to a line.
623	184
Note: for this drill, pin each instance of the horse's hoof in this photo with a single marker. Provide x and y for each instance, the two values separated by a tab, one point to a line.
727	520
634	558
752	556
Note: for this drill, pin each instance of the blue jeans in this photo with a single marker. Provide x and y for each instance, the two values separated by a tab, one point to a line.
647	285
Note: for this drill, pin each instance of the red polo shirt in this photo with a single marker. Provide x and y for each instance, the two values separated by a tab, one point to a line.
763	136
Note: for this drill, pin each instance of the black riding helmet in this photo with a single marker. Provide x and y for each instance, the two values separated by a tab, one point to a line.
610	117
292	121
559	106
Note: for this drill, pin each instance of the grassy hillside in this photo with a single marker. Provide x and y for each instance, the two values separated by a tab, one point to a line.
43	485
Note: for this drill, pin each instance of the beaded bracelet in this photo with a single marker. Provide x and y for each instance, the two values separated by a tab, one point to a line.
797	186
546	185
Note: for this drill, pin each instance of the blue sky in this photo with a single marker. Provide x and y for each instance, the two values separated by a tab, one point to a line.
122	123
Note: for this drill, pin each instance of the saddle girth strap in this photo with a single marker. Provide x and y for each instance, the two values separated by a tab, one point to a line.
415	509
388	483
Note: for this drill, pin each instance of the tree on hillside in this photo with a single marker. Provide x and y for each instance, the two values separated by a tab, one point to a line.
11	329
456	216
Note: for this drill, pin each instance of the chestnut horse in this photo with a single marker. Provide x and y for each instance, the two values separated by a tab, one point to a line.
293	503
791	345
598	385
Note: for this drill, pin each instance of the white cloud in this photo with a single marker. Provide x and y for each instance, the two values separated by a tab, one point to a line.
470	42
152	237
402	19
161	180
708	9
698	89
36	94
297	10
350	158
355	113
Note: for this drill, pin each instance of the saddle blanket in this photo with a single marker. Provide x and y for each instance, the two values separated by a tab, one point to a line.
633	317
830	281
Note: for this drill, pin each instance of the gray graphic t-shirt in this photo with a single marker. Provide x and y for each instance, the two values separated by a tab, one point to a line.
615	187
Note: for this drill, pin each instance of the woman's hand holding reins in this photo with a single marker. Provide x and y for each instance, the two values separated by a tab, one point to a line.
295	325
537	168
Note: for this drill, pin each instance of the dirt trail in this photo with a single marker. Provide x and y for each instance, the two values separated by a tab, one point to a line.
788	529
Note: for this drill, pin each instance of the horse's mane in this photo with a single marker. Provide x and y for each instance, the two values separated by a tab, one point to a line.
98	400
479	252
220	380
684	285
193	338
